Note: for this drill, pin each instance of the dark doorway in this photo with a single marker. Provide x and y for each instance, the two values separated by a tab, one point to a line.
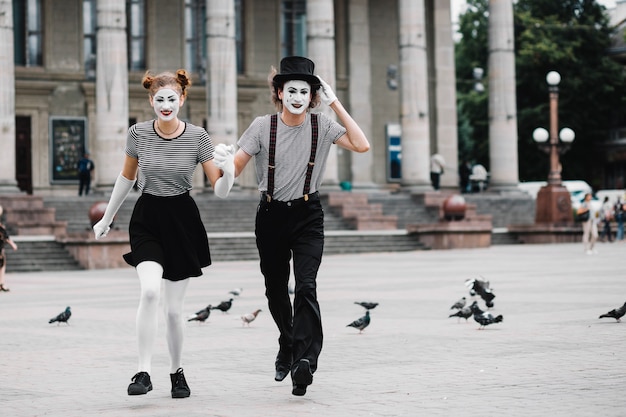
23	164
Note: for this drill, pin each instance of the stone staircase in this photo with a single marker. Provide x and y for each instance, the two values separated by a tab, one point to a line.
37	254
359	212
229	224
355	223
27	215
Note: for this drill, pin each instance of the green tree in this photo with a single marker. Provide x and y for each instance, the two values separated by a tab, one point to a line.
473	104
568	36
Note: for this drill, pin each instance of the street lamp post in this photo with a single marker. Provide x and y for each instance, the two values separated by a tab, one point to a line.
554	203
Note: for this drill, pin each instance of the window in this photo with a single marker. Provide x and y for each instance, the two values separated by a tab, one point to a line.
239	35
135	17
89	38
28	33
195	36
195	39
293	24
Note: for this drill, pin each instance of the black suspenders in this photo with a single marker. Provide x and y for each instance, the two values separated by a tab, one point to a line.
271	168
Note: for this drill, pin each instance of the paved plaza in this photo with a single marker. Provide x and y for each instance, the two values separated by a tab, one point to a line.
551	356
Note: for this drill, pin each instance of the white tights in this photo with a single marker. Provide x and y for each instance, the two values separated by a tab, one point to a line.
150	278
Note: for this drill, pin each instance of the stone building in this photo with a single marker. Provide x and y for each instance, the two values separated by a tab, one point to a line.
70	76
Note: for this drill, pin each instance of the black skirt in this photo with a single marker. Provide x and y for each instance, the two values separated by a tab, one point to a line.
169	231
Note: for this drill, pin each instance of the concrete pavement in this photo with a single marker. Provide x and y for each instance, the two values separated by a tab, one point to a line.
551	356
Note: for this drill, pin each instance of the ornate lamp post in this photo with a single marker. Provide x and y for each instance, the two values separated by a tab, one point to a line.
554	203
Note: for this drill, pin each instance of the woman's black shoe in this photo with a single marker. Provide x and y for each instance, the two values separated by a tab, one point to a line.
141	384
180	389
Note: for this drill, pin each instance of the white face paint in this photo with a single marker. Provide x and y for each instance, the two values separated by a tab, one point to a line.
296	96
166	103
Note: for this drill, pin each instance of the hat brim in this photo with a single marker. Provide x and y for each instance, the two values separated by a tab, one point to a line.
283	78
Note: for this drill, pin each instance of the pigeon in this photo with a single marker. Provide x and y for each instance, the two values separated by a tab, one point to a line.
62	317
246	319
366	304
484	318
236	291
362	322
465	312
202	315
224	306
458	305
481	288
616	313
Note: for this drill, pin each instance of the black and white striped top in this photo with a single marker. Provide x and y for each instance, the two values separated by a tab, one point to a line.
166	166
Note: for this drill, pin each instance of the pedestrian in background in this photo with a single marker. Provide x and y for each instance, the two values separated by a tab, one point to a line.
5	239
590	226
618	213
606	216
437	168
85	168
465	170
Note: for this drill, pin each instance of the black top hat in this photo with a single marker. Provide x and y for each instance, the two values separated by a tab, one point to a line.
297	68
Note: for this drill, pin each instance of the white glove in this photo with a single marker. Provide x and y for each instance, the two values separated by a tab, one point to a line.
120	190
224	159
326	93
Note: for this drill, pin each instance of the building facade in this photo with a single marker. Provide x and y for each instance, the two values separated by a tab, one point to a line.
71	82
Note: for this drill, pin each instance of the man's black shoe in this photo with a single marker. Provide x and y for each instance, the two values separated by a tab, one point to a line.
141	384
301	376
180	389
299	390
281	373
282	370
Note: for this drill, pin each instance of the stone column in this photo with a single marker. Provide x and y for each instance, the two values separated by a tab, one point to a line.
8	184
320	23
447	137
221	83
502	101
111	91
414	95
359	87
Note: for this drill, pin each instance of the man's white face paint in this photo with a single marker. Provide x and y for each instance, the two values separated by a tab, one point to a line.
296	96
166	103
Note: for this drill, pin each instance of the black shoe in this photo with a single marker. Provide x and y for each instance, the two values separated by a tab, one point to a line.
282	370
180	389
298	389
302	377
141	384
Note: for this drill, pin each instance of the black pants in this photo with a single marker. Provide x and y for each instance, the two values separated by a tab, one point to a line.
434	179
84	179
284	230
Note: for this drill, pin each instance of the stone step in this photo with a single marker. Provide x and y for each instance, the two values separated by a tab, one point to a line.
359	213
40	254
501	236
234	214
45	254
26	215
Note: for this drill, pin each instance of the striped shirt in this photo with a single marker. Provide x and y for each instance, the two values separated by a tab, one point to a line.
166	166
293	150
